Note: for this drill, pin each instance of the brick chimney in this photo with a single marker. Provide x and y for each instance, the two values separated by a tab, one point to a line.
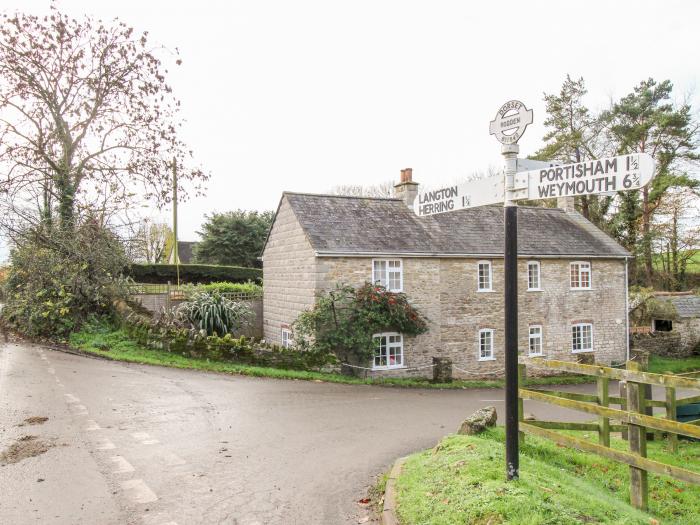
566	203
406	189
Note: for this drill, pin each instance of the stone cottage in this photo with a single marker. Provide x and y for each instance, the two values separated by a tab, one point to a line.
572	277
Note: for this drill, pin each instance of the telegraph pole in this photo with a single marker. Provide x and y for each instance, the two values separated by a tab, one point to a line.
175	250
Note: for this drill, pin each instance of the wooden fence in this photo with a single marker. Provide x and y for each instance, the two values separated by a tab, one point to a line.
180	293
634	417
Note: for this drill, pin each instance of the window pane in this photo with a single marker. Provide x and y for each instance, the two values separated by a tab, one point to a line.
484	276
535	340
485	344
574	276
379	273
533	276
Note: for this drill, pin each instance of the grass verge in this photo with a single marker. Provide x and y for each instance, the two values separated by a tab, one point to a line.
461	481
105	341
669	365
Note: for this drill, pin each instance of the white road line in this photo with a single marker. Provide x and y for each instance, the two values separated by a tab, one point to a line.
92	425
138	491
70	398
121	465
80	408
173	459
144	438
51	370
105	444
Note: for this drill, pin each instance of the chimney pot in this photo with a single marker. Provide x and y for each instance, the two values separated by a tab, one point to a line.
409	174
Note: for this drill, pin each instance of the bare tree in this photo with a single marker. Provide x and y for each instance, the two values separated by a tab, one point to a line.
148	241
84	109
383	189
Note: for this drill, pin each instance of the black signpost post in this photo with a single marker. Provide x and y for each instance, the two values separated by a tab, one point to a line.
512	117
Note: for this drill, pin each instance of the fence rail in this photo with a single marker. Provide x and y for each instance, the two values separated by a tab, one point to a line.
633	418
176	292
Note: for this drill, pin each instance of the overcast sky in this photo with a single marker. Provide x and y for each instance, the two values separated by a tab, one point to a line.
303	96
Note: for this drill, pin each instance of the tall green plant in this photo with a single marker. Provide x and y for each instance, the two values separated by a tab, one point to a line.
215	314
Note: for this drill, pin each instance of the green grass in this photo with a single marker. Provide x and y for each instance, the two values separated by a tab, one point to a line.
693	265
663	365
102	340
461	481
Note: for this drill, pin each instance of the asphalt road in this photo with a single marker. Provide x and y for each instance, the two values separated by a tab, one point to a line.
157	446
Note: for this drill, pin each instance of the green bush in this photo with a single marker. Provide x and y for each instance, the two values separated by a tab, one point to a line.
227	287
193	343
342	321
58	279
191	273
214	314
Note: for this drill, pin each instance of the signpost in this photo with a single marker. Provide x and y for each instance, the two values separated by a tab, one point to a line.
532	180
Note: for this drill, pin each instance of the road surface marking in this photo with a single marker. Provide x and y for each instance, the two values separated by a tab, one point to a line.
173	459
80	408
491	400
138	491
144	438
121	465
51	370
70	398
105	444
92	425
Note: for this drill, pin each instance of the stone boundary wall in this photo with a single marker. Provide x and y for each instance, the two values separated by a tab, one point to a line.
155	303
667	344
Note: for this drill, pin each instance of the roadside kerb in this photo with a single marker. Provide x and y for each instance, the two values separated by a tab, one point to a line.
389	506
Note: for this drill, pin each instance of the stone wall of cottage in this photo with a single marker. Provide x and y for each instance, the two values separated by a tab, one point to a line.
445	291
288	274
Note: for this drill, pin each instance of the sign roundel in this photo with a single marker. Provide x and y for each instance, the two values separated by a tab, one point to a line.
510	122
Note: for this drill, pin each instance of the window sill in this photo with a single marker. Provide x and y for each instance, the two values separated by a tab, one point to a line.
535	290
399	367
580	289
487	359
535	355
586	351
485	291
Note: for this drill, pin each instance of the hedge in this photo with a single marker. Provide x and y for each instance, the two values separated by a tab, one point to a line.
192	273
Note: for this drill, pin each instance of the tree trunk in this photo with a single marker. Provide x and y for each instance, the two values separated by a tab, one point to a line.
646	237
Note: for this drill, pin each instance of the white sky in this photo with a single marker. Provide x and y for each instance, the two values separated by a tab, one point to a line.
306	95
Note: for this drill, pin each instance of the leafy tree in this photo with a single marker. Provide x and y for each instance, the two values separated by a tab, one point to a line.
647	121
233	238
86	110
574	135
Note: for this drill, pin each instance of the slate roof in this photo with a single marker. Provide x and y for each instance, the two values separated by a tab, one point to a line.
361	225
686	305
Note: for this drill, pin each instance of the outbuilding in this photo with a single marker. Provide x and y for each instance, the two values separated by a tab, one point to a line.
572	285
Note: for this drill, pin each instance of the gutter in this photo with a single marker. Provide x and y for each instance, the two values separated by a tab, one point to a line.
465	255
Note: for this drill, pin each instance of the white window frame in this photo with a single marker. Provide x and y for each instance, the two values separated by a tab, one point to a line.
378	279
478	276
287	338
538	288
389	345
492	334
573	346
590	275
532	336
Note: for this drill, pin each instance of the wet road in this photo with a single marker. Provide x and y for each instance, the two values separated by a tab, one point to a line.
157	446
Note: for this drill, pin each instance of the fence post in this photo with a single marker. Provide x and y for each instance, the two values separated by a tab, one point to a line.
603	422
521	415
671	414
639	483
